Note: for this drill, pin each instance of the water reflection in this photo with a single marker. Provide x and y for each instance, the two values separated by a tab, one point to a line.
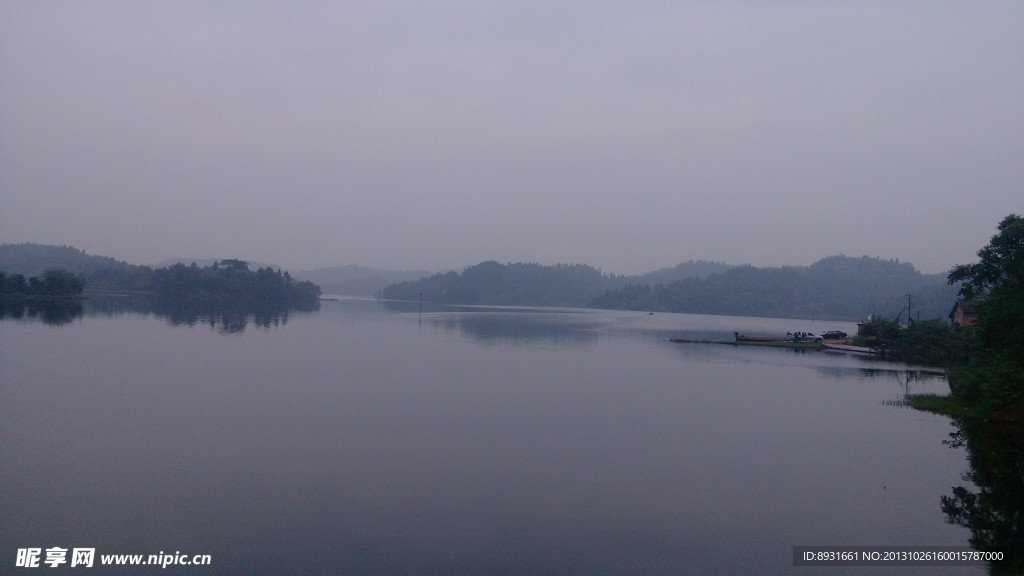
111	305
50	312
490	325
907	379
368	442
993	508
491	328
904	377
222	319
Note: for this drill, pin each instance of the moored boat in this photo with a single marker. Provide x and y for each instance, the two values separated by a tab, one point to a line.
742	338
792	337
851	348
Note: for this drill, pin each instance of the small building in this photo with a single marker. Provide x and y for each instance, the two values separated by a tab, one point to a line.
964	312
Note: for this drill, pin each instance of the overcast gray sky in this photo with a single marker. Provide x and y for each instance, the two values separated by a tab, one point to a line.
629	135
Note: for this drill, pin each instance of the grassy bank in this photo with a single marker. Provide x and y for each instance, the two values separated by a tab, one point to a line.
948	406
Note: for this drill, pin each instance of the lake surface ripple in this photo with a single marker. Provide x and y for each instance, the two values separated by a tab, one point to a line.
372	438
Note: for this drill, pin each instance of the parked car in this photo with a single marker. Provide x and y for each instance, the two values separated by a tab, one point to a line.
834	335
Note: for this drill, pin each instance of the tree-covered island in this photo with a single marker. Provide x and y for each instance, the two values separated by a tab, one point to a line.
230	282
63	272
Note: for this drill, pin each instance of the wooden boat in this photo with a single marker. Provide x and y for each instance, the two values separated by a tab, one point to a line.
742	338
776	342
792	337
856	349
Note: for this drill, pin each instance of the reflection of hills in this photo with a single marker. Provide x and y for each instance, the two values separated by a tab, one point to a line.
522	327
223	319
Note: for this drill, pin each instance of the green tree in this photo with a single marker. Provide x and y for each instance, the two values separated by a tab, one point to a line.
996	373
1001	264
59	282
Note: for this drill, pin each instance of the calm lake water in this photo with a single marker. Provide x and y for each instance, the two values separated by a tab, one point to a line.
365	438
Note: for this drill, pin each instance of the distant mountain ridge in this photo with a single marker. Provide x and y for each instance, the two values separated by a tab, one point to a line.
99	272
682	271
356	280
836	287
531	284
519	284
33	259
106	273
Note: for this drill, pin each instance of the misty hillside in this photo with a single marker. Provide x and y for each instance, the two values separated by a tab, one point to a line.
508	284
689	269
531	284
357	280
34	259
99	272
837	287
186	261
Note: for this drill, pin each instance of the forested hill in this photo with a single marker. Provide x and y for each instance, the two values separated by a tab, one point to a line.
34	259
99	272
509	284
689	269
837	287
222	283
357	280
531	284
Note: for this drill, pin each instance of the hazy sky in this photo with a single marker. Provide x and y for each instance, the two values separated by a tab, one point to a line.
629	135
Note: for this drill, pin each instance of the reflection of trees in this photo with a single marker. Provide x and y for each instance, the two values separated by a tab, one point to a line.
54	312
904	377
226	319
995	513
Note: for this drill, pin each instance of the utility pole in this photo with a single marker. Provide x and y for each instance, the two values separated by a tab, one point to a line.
910	319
